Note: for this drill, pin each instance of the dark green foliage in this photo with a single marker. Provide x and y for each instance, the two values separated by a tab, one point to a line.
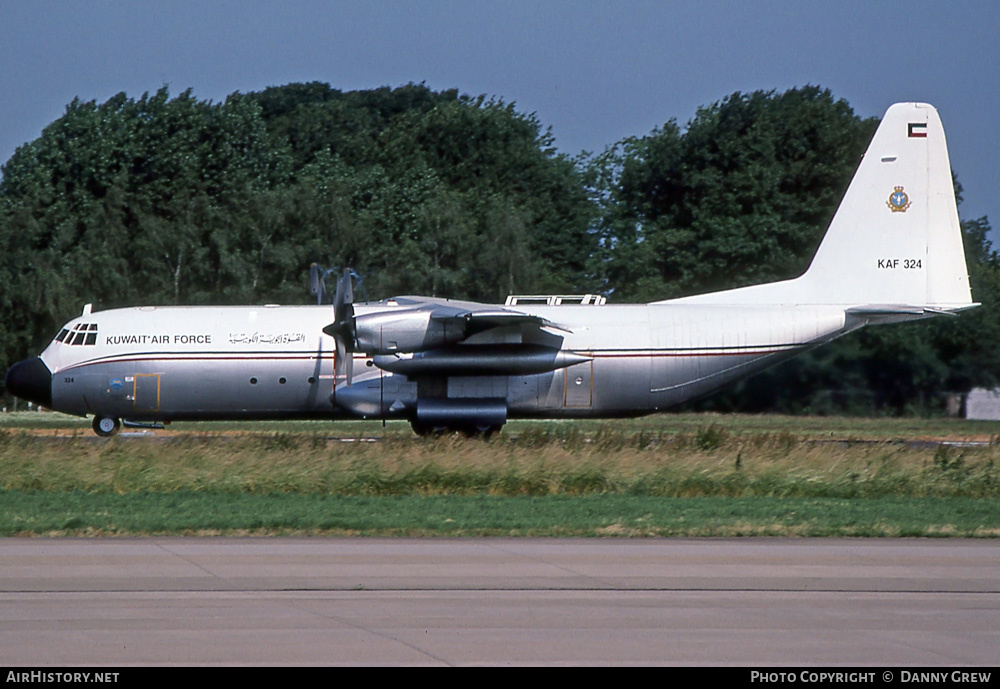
742	195
128	198
452	195
179	201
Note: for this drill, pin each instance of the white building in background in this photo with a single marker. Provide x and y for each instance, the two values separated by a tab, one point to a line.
983	404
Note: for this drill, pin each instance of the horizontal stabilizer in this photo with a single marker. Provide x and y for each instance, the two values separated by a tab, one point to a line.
900	309
906	311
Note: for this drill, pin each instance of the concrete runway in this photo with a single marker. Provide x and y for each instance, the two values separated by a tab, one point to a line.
280	601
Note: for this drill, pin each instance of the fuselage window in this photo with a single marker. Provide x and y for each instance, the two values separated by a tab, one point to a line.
91	338
62	335
78	338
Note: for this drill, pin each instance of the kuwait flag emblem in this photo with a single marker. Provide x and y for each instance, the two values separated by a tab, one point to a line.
916	130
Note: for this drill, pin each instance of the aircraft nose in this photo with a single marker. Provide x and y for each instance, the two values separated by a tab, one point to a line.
30	380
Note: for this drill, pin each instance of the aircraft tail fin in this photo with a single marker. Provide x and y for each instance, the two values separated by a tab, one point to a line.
895	239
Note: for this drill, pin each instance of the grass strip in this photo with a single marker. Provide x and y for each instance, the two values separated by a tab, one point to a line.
77	513
663	476
701	465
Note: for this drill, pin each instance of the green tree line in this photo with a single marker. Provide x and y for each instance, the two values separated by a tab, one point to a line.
174	200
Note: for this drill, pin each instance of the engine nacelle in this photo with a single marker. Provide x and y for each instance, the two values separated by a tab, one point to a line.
411	330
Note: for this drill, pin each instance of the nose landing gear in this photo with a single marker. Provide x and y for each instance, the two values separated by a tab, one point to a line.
106	426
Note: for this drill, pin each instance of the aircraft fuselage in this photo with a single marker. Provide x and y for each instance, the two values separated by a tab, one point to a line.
170	363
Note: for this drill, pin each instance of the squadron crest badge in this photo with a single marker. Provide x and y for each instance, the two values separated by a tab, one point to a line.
898	201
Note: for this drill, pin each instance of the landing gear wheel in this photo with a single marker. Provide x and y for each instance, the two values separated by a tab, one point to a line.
106	426
487	432
470	430
479	430
428	429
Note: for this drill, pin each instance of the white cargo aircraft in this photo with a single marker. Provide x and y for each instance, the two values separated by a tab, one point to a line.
893	252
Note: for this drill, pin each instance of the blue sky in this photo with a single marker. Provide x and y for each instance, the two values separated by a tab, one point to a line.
595	72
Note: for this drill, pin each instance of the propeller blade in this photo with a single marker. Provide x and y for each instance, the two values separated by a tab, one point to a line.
343	301
348	366
316	286
340	372
343	329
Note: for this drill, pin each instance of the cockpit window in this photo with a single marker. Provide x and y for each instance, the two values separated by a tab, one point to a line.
80	334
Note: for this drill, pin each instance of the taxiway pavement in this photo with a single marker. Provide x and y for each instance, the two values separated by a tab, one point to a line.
288	601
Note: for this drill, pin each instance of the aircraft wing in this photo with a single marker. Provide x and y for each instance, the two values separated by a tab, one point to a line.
477	317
